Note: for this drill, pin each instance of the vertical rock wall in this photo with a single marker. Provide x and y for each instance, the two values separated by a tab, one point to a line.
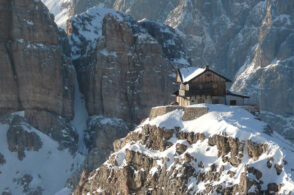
35	74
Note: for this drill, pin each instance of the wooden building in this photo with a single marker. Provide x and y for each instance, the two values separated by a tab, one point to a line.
203	85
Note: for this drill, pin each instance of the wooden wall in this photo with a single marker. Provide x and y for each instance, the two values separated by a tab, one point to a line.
212	88
208	84
208	77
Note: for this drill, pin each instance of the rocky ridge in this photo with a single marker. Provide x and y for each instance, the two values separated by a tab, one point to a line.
224	151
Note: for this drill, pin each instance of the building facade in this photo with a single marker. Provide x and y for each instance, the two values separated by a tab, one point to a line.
203	85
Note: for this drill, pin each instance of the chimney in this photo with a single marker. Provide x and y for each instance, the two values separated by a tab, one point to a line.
207	67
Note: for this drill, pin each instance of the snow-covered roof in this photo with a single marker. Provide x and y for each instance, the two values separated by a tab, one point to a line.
235	94
190	73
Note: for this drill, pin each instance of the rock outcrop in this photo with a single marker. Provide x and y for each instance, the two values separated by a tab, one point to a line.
35	73
19	140
100	134
56	127
2	159
194	158
123	69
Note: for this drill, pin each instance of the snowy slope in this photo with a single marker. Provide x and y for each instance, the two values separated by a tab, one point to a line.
269	170
44	171
79	122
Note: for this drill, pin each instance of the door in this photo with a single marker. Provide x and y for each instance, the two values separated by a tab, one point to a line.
233	102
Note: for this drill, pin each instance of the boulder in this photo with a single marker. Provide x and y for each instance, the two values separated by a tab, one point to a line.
2	159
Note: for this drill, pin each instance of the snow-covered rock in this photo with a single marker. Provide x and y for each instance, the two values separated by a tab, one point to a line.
99	136
61	9
224	151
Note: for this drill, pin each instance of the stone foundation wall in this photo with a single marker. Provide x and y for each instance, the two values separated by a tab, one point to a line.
190	113
161	110
253	109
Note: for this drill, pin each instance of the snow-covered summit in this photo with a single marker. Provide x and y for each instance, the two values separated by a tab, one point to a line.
223	151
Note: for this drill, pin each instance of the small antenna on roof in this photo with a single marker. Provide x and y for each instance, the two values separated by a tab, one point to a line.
205	62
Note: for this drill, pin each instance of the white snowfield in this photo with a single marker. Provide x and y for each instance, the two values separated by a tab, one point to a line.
220	120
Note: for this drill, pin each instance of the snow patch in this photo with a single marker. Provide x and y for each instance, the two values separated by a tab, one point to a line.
80	118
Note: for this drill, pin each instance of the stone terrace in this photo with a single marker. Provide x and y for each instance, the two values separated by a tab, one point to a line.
190	112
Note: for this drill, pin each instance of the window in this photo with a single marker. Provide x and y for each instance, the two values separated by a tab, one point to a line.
201	100
233	102
215	101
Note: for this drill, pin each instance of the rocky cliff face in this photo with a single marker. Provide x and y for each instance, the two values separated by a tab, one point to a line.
268	74
211	154
36	73
37	80
124	67
32	61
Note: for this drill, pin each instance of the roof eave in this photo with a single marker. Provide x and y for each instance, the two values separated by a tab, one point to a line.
207	69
